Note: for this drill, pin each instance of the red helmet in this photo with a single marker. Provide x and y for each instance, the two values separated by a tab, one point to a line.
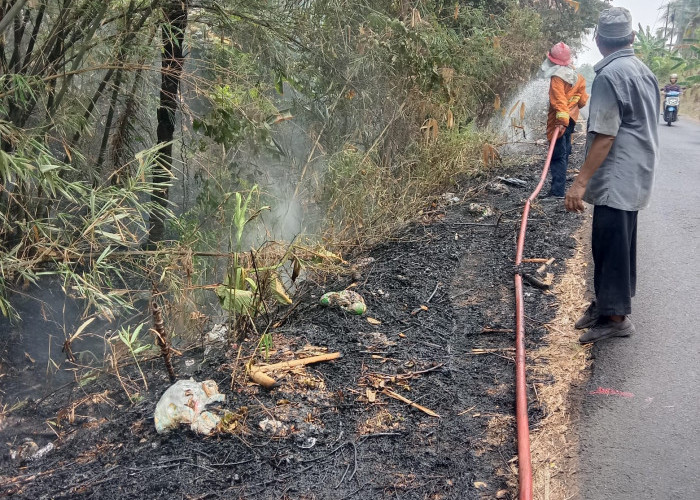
560	54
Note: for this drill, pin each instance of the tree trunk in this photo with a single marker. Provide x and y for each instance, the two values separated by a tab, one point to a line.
173	34
97	175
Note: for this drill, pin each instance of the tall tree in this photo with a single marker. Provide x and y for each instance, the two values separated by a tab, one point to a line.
173	37
682	19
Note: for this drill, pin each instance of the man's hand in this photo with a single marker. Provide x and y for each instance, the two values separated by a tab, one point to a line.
600	147
573	201
560	130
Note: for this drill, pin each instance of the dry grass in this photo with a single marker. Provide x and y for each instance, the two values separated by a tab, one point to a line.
554	446
690	105
367	201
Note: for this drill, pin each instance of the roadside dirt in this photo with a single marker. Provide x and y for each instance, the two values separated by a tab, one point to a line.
437	331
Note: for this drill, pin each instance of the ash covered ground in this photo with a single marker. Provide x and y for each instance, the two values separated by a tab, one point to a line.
437	331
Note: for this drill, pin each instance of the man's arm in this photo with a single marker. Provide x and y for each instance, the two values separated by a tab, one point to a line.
596	155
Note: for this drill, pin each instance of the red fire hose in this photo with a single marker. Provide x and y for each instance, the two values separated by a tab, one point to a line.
523	428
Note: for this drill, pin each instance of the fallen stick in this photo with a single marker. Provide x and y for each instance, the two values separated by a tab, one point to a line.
286	365
487	351
403	376
419	309
460	294
473	224
466	411
535	282
537	261
263	379
433	294
392	394
497	330
543	267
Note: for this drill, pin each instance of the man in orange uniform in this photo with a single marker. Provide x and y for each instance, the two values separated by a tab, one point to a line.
567	94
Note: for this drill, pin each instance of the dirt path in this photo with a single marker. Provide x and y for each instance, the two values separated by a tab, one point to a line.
440	299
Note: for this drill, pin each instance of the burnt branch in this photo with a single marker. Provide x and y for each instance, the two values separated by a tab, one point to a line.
162	339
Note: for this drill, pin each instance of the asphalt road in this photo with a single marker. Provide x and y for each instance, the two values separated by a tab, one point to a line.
640	416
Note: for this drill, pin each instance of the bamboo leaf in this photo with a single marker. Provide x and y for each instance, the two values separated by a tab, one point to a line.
103	255
135	334
278	292
81	328
48	168
513	108
280	117
5	307
112	236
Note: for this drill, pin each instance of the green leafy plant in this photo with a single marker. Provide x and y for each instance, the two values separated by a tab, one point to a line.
131	339
265	344
54	225
246	286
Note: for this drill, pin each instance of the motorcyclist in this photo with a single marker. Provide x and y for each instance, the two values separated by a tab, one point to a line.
673	86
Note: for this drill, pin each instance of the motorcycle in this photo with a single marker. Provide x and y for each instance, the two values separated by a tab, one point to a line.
671	102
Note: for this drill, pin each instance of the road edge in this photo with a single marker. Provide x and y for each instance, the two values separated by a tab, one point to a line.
564	362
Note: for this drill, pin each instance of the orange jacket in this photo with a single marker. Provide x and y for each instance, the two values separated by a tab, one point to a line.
565	100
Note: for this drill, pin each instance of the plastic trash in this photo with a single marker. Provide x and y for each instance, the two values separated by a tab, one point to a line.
481	210
184	403
28	450
273	426
43	451
345	299
215	338
217	335
498	188
450	198
25	450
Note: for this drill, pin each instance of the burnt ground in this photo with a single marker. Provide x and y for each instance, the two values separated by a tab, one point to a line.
339	434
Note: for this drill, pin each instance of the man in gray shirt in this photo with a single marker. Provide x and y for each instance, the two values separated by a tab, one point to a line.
622	149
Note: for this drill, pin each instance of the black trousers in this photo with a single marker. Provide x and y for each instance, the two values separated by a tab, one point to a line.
614	244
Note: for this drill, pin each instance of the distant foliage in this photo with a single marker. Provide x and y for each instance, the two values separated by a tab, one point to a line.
683	60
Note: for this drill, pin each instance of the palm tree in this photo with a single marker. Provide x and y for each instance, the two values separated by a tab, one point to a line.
684	19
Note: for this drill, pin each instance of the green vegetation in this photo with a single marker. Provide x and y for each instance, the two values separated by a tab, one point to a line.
674	48
133	132
684	60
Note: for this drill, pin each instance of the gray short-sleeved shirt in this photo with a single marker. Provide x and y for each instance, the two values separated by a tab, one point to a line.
624	103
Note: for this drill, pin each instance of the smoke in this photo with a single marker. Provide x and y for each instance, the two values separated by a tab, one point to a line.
532	100
31	349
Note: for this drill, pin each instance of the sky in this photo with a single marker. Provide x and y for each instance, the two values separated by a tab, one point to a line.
645	12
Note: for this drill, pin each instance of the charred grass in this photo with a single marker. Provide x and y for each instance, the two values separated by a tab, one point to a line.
437	333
